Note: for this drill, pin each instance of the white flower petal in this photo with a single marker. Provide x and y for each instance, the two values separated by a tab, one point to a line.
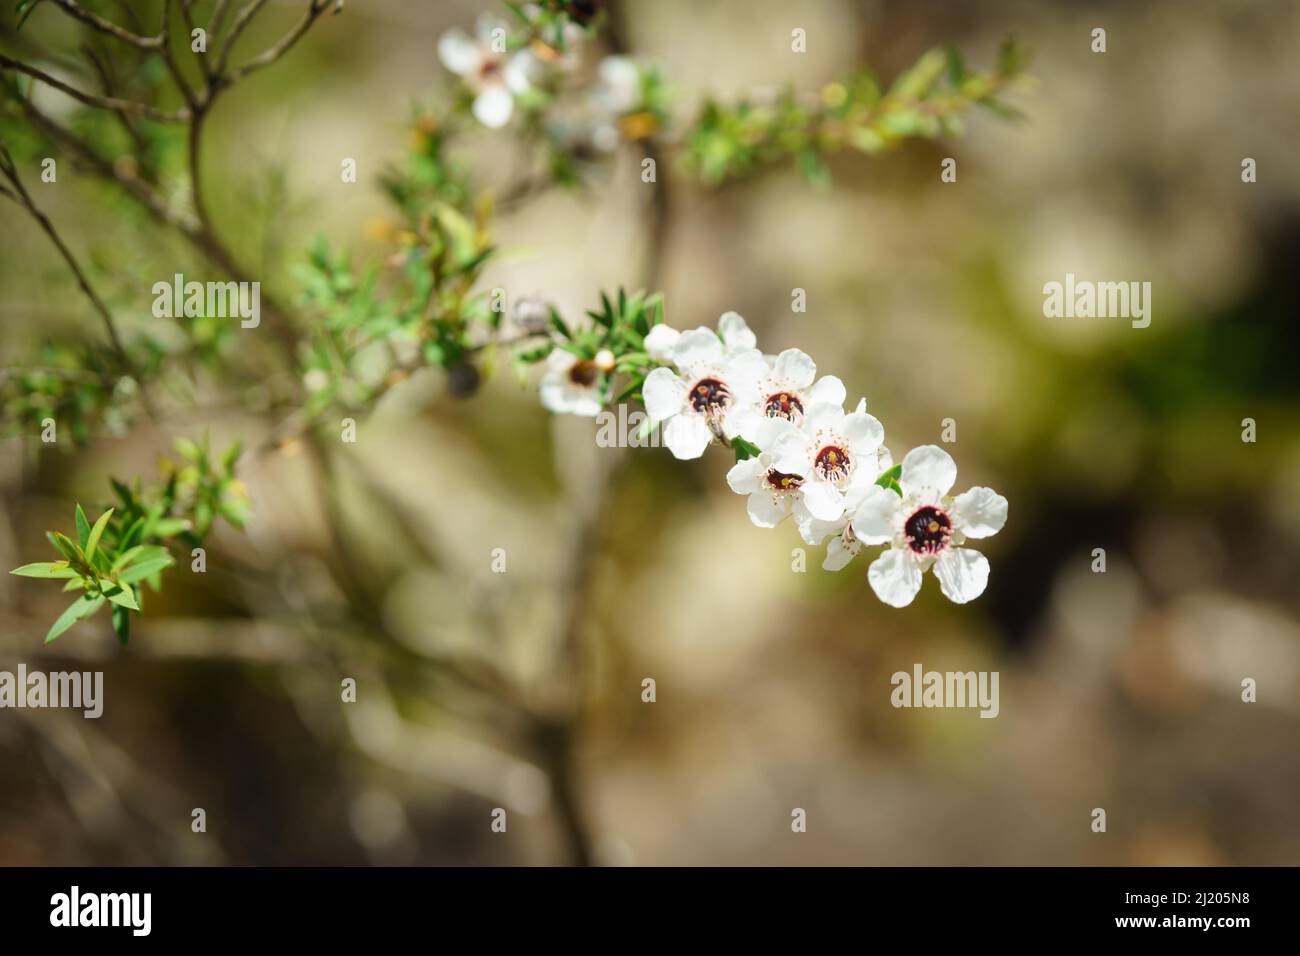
766	509
824	416
661	341
493	106
794	369
873	522
560	360
735	333
963	574
686	436
664	394
744	369
697	347
746	477
790	454
813	530
864	432
768	432
521	70
823	501
838	554
895	577
928	473
980	512
829	390
459	53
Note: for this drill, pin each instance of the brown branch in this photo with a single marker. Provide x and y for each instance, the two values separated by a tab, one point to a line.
100	102
106	82
94	20
172	66
242	18
10	170
286	43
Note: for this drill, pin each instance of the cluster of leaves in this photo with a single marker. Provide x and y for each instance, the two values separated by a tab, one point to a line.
83	387
928	100
619	328
126	547
73	385
418	306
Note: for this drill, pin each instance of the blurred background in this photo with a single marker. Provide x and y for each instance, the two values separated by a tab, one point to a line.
523	690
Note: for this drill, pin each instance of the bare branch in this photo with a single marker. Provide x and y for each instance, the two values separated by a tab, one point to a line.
10	170
172	67
101	102
94	20
242	18
218	17
286	43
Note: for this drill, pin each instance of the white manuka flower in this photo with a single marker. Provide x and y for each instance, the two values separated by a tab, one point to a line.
699	402
572	385
835	454
661	341
926	527
734	334
771	493
844	545
495	77
788	390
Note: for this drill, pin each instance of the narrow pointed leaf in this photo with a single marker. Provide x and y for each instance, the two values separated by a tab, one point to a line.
97	532
45	569
78	610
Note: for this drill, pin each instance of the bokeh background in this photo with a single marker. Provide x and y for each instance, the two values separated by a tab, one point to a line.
522	690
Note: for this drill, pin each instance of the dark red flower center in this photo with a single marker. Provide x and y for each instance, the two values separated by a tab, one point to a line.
584	373
783	405
709	396
780	481
832	463
928	530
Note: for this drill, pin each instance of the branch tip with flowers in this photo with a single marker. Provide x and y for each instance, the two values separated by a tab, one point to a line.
798	452
552	76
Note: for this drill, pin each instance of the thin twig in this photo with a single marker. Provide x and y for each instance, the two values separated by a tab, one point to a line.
172	66
286	43
10	170
242	18
94	20
100	102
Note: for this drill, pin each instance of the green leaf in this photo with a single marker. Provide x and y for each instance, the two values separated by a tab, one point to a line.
122	624
83	527
142	569
123	597
140	552
45	569
187	449
132	536
78	610
167	527
96	533
65	545
889	476
744	450
231	456
889	480
559	324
